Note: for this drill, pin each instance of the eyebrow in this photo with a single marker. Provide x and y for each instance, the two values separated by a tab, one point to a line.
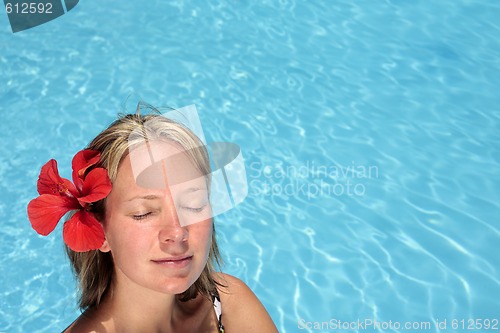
156	197
193	189
145	197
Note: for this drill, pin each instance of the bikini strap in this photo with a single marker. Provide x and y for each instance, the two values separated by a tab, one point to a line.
218	310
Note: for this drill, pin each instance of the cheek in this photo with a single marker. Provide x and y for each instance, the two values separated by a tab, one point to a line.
123	236
200	235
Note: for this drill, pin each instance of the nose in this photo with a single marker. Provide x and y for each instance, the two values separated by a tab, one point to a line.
171	230
173	234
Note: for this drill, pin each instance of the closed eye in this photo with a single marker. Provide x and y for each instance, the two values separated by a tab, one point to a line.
140	217
195	209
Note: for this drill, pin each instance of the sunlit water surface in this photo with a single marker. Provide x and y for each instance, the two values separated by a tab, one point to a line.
370	132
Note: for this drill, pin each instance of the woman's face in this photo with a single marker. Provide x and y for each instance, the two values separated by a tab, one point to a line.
159	235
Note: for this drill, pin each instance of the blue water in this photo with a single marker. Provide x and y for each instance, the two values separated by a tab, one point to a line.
370	132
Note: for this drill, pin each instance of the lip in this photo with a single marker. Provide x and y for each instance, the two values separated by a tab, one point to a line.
174	262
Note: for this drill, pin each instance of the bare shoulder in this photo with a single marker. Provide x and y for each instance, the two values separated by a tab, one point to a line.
74	327
241	309
85	323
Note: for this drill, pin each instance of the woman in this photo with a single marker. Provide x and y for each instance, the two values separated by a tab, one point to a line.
144	255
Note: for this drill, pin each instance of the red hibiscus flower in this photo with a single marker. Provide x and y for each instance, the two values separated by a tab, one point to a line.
82	232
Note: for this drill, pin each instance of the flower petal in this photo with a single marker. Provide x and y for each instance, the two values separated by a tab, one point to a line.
82	232
95	187
49	181
83	160
45	211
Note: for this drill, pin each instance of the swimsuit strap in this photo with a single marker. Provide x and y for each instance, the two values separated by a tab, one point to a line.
218	310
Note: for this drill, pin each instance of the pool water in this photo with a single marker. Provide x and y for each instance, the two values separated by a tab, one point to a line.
370	132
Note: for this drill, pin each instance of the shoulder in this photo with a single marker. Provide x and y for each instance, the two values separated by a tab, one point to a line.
84	323
241	309
75	326
71	327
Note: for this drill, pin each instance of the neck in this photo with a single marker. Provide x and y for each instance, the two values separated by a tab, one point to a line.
132	308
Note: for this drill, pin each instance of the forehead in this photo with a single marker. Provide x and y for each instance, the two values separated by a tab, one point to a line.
156	165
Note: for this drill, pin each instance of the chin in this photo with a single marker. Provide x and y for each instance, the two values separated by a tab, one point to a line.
174	286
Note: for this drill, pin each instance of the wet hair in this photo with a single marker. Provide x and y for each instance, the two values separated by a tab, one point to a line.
94	269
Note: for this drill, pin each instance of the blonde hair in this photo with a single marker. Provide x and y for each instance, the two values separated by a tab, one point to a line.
94	269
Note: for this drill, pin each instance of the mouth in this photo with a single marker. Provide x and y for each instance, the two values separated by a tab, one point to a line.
174	262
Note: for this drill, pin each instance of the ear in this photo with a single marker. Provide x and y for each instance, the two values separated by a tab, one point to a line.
105	246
